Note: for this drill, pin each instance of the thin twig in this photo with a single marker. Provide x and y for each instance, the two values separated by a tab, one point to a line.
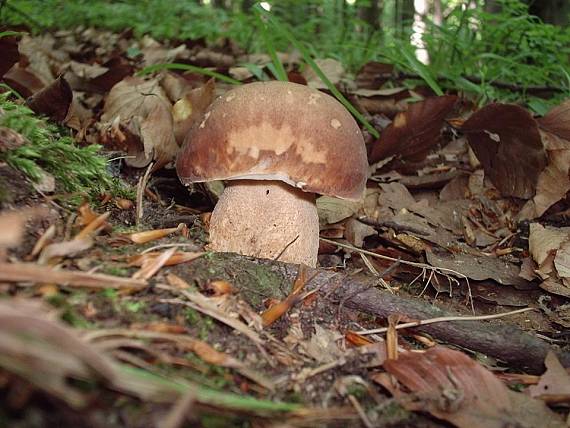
141	186
436	269
445	319
362	290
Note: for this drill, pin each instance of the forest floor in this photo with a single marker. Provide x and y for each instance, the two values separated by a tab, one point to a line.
113	311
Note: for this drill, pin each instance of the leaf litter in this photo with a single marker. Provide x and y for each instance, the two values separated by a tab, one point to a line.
456	199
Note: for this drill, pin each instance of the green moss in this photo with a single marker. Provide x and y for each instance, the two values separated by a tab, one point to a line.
77	170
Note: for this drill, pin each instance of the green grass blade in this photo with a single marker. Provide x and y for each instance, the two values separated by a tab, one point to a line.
278	70
10	33
309	60
420	69
186	67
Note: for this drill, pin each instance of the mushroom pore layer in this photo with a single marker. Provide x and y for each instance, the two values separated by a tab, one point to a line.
266	219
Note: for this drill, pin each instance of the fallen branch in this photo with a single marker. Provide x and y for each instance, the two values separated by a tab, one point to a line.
506	342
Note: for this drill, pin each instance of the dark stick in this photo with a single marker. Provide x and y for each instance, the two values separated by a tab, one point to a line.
506	342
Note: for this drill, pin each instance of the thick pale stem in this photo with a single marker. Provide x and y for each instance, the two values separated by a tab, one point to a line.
266	219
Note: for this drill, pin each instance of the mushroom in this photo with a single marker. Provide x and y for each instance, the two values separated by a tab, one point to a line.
278	143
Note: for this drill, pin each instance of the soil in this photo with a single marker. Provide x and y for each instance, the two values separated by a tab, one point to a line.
256	285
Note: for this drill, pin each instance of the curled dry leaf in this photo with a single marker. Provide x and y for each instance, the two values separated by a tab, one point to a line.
554	384
332	68
415	131
190	108
506	141
138	120
46	353
23	81
52	101
332	210
151	235
557	121
175	259
10	54
451	386
554	181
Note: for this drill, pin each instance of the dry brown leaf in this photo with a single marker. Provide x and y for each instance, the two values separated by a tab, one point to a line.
53	101
373	75
332	210
451	386
64	249
557	120
554	384
10	54
543	241
94	226
332	68
175	259
23	81
151	266
190	108
276	311
415	131
355	231
506	141
322	345
357	339
151	235
137	119
554	181
30	272
40	349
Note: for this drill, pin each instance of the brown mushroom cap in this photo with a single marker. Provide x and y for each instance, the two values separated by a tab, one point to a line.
278	131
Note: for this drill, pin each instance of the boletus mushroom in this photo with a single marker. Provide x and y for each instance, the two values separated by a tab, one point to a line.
277	144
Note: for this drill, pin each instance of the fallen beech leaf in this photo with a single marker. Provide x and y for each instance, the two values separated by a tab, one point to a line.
52	101
506	141
373	75
554	384
332	68
10	54
451	386
322	345
64	249
554	181
190	108
414	131
138	120
332	210
355	231
542	241
23	81
33	341
151	235
557	121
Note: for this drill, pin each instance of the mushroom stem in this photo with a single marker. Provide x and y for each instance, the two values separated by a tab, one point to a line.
266	219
